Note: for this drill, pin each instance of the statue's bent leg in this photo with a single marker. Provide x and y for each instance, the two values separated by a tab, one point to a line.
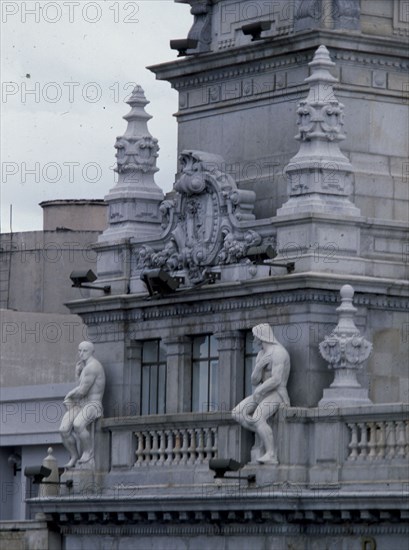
68	438
243	413
267	408
89	413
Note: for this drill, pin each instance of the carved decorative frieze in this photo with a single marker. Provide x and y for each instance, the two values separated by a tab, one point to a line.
346	14
246	520
401	17
136	154
268	299
338	14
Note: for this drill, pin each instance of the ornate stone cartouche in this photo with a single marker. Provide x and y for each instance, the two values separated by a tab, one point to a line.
205	220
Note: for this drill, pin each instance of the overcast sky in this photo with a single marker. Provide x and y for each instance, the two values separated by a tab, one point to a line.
79	58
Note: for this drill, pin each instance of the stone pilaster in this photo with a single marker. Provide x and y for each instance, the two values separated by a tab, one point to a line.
179	374
231	368
131	405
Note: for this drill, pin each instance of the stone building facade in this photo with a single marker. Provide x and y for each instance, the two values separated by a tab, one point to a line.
178	358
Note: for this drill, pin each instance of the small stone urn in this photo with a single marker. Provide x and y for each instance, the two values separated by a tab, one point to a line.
346	351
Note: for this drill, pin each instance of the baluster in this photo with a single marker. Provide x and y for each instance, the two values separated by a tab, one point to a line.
210	448
215	442
185	446
372	440
400	439
192	446
139	448
381	442
155	447
406	437
148	447
169	447
162	447
390	440
178	446
208	443
353	443
363	443
200	447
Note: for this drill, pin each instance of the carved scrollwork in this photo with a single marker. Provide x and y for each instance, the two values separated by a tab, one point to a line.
202	25
143	257
136	154
345	349
202	220
166	209
324	121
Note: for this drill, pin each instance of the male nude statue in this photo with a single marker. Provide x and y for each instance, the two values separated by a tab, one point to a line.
84	405
269	377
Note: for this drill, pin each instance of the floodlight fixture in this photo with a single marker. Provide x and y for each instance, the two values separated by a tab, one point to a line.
80	278
182	45
38	473
255	29
160	282
260	253
212	276
15	460
222	465
264	254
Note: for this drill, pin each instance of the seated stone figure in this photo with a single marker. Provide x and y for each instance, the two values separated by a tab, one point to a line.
84	406
269	379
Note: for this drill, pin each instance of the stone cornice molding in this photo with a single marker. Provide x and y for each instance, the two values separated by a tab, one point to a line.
372	50
237	298
273	511
224	529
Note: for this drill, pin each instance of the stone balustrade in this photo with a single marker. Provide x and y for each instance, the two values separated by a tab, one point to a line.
175	446
346	441
379	440
187	439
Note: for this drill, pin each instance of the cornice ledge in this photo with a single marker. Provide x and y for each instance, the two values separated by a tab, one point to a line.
253	52
278	290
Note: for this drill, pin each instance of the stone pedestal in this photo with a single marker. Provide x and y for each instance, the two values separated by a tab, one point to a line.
85	482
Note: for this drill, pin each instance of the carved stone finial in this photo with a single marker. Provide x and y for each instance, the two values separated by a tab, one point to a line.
320	175
346	351
134	201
